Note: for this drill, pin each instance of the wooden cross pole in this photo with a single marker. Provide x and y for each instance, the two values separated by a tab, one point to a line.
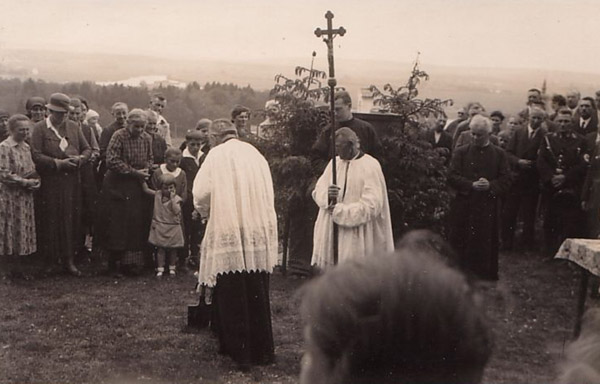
328	36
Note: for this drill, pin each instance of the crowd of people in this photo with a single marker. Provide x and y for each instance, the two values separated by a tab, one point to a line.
539	167
69	186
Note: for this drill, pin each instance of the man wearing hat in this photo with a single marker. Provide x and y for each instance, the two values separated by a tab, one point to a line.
58	150
36	108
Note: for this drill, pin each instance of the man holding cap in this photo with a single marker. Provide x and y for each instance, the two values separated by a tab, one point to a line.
58	150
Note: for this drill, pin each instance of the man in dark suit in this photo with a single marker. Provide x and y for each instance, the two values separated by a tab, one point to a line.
585	120
524	193
461	116
562	167
439	139
369	140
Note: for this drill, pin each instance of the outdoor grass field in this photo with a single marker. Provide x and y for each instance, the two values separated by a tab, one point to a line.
102	330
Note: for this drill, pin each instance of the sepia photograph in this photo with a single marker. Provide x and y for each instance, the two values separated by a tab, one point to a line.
312	192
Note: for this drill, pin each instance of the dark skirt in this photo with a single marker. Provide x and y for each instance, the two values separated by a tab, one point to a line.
59	218
473	233
242	317
122	214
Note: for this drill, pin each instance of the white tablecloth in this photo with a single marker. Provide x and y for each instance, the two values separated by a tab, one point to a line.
583	252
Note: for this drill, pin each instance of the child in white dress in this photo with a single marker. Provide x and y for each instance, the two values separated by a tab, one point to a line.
166	231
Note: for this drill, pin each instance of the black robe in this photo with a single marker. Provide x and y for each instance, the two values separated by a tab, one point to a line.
241	317
473	228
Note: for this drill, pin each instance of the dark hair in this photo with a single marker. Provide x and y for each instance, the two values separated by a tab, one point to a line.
591	100
563	111
82	99
559	100
158	96
406	317
238	110
498	114
344	96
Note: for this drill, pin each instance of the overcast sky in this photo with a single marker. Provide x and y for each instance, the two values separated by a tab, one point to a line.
548	34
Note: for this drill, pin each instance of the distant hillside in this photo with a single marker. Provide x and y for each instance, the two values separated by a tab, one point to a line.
496	88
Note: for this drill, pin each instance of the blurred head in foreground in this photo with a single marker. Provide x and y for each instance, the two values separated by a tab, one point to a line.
582	363
400	318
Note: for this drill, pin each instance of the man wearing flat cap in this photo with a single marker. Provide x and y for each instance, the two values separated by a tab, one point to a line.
234	190
58	150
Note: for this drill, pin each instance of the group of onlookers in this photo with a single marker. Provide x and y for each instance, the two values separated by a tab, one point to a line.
68	186
543	164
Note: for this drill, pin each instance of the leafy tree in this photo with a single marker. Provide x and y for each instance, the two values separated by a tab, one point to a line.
415	173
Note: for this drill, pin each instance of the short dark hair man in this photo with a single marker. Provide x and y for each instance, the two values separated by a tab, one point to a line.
158	102
584	121
369	140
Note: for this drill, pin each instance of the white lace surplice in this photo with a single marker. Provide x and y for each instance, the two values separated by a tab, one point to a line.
362	213
234	187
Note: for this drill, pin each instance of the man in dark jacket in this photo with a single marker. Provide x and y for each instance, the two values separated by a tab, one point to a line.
525	191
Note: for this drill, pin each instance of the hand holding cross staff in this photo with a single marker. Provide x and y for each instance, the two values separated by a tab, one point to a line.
329	34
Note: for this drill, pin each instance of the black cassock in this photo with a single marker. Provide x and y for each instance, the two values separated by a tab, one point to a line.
473	221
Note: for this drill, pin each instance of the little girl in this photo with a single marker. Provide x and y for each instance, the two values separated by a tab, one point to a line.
166	232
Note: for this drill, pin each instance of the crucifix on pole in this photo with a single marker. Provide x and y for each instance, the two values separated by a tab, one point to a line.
328	35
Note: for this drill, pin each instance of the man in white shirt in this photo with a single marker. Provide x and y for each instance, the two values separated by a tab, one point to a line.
157	103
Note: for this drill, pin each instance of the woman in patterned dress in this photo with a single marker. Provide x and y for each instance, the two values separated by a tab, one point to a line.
18	180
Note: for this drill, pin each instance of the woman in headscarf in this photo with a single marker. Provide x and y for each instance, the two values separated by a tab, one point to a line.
122	229
58	150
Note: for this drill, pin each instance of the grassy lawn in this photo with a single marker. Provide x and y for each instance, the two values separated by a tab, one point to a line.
101	330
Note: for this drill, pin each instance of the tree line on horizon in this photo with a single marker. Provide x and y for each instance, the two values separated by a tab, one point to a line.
184	106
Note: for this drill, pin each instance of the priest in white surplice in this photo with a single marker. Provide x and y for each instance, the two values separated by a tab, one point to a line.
234	189
362	212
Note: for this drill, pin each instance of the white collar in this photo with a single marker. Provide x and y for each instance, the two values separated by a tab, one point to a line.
187	153
11	142
582	120
175	173
53	128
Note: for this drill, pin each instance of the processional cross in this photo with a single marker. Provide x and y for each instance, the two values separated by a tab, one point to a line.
329	34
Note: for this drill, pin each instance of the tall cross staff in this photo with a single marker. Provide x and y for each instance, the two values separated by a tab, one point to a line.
329	34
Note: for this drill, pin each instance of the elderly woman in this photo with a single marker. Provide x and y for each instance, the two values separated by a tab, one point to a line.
59	149
18	180
122	229
400	318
